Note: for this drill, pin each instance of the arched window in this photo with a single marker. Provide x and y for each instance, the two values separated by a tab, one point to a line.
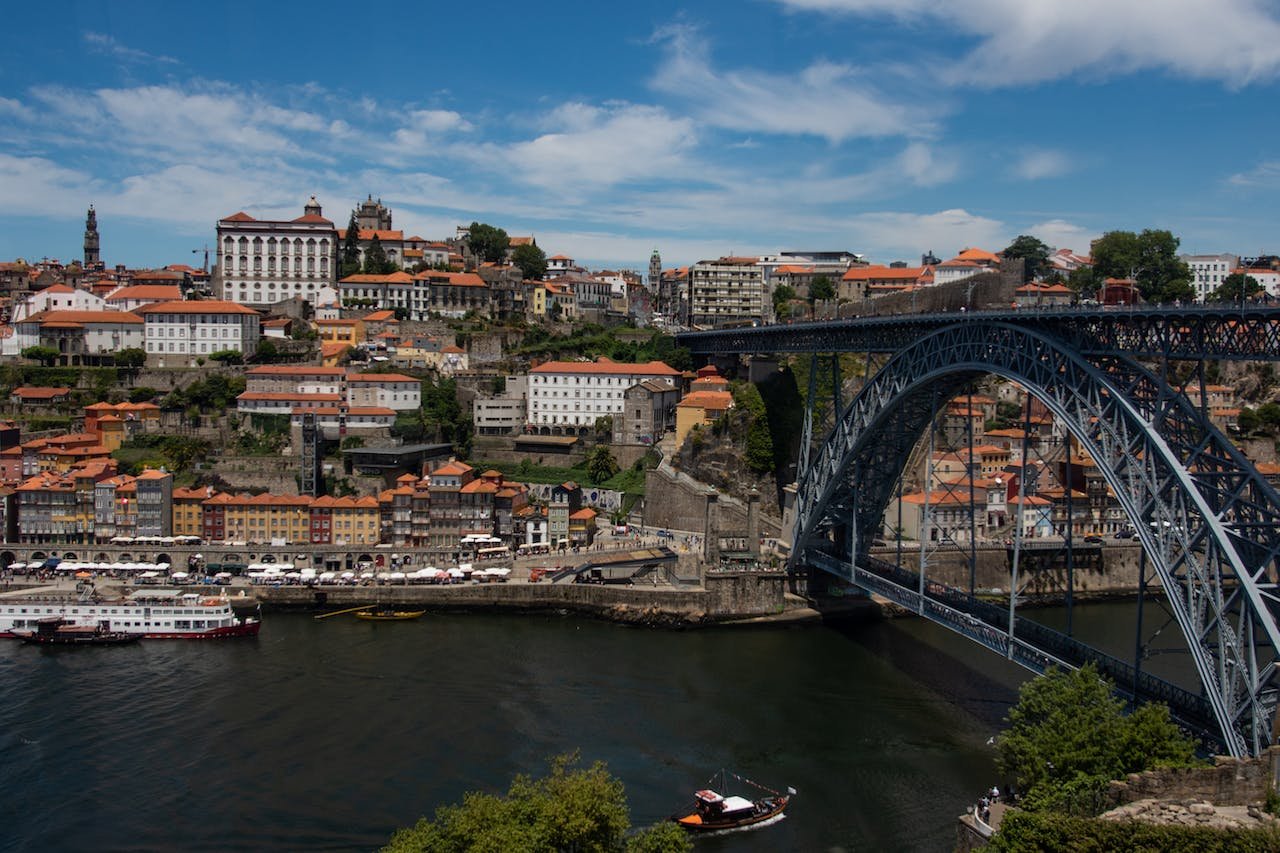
244	263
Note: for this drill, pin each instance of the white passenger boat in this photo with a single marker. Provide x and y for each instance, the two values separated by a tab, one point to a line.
161	614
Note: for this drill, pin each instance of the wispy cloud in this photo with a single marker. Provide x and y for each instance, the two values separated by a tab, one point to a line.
1265	174
834	101
1019	42
110	46
1036	164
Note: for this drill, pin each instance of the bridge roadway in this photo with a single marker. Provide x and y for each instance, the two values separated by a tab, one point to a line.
1249	333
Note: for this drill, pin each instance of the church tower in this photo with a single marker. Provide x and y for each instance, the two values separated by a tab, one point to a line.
655	275
92	253
373	216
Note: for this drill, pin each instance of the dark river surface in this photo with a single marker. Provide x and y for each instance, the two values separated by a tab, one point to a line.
327	735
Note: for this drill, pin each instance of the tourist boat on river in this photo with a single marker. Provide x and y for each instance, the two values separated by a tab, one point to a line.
713	811
158	614
388	614
55	631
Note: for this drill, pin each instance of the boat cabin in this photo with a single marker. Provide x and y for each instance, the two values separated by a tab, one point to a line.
712	805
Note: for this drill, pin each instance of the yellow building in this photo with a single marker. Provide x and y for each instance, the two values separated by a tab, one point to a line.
264	518
356	521
347	332
700	407
538	300
186	510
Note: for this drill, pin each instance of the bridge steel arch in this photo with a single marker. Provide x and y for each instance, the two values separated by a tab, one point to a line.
1209	523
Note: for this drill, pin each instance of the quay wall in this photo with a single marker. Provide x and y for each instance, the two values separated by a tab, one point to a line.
1114	571
726	596
676	500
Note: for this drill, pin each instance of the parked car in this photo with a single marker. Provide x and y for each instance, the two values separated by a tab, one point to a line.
1093	539
1125	534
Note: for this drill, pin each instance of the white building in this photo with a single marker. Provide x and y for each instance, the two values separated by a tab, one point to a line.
280	389
350	418
1209	271
58	297
181	332
567	397
77	334
1269	279
726	290
384	390
262	262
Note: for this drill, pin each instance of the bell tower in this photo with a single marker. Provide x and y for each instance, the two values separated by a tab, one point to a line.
92	252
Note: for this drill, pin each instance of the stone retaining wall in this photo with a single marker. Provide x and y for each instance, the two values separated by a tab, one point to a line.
1229	782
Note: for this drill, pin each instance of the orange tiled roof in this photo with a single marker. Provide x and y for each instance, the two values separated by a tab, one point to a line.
604	366
158	292
203	306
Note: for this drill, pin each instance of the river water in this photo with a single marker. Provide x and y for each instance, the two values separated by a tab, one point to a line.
327	735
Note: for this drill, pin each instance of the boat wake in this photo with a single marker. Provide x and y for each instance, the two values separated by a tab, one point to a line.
748	828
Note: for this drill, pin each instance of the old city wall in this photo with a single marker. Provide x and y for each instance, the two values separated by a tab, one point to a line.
1229	782
677	501
1115	572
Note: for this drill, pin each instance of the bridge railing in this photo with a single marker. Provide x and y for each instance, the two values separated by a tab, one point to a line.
1033	645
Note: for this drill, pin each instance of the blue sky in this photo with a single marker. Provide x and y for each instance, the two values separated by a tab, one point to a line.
887	127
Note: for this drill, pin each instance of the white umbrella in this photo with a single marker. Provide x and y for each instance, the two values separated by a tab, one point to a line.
348	575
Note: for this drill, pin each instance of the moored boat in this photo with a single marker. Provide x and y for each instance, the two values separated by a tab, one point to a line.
713	811
388	614
158	614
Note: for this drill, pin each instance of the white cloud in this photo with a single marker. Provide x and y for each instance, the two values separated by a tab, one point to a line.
36	186
423	128
1034	165
831	100
600	147
926	165
1265	174
109	45
15	108
1024	41
945	232
1061	234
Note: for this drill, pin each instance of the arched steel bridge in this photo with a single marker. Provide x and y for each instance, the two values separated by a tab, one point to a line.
1208	522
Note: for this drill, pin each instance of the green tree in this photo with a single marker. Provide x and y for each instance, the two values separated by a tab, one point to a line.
487	242
1068	737
600	464
131	358
45	355
573	808
1033	251
349	264
227	356
267	351
142	394
1150	258
1236	287
759	452
782	296
821	289
375	259
531	260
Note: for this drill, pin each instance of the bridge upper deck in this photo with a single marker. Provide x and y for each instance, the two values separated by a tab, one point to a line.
1242	333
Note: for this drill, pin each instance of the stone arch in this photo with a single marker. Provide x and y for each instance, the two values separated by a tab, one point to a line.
163	558
1213	536
69	555
7	559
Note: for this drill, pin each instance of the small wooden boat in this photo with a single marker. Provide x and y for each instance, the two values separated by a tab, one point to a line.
713	811
388	614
